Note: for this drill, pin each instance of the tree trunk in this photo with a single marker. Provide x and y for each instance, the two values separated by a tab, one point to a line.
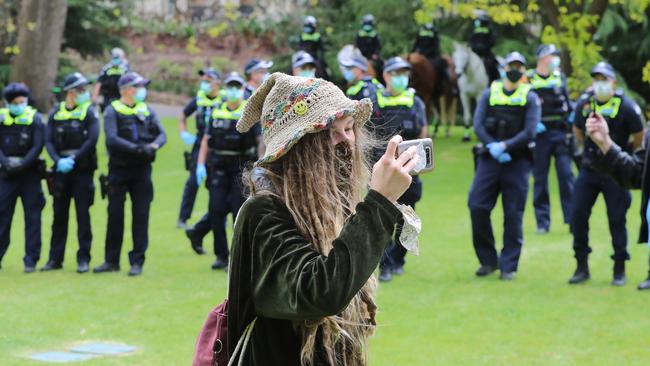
40	34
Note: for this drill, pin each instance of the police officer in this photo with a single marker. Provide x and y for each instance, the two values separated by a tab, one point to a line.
312	43
400	112
256	71
133	136
624	119
505	119
224	152
107	83
427	43
554	137
367	39
481	42
70	138
206	99
21	142
303	64
362	85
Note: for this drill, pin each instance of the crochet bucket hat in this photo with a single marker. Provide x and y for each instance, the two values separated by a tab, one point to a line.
289	107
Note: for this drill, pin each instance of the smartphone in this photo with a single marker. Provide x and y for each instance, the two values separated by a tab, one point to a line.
427	150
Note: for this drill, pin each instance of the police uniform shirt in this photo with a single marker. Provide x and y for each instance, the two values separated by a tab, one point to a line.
90	123
364	88
115	143
521	140
368	43
251	135
37	139
384	128
108	79
192	107
627	120
536	80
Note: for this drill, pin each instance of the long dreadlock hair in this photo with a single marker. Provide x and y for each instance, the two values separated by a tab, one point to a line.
321	184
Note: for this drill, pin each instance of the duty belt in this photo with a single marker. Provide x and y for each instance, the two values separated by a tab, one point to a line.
68	152
227	153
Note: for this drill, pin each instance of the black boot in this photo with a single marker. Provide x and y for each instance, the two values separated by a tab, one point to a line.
645	284
619	273
582	272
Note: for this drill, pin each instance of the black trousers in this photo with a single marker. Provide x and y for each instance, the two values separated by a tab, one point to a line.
226	197
587	188
136	182
78	186
511	181
395	253
191	187
27	186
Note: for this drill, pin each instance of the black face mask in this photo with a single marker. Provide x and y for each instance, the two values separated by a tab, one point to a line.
514	75
343	153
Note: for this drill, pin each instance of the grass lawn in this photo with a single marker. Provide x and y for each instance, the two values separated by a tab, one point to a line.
438	313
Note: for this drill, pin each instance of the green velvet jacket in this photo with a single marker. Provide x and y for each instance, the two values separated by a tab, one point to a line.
277	276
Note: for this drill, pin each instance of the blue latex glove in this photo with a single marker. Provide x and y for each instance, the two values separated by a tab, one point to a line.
504	158
496	149
188	138
201	174
541	128
64	165
572	117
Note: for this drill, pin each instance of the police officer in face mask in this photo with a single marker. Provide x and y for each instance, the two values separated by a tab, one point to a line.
367	39
21	142
625	123
223	154
311	42
401	112
207	98
355	72
553	135
505	119
303	64
71	136
133	136
107	83
256	71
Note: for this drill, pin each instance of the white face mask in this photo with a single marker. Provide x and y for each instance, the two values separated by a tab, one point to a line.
554	64
603	89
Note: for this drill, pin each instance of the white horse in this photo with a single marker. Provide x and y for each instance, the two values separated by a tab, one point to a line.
472	80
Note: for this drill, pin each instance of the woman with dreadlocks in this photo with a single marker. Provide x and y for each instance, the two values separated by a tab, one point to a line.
311	234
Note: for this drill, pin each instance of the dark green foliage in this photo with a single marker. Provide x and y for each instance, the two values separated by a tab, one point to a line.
91	26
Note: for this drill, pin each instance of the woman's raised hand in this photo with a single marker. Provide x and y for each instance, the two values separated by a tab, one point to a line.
390	175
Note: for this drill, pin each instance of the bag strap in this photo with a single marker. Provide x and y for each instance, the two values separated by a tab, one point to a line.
242	344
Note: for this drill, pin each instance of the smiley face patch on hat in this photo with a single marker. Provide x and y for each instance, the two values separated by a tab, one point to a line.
289	107
295	101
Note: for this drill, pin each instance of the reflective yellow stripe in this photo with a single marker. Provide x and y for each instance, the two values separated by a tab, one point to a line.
26	118
553	81
119	70
405	99
363	33
79	112
224	113
139	108
518	98
609	109
426	33
202	100
310	37
356	88
482	30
